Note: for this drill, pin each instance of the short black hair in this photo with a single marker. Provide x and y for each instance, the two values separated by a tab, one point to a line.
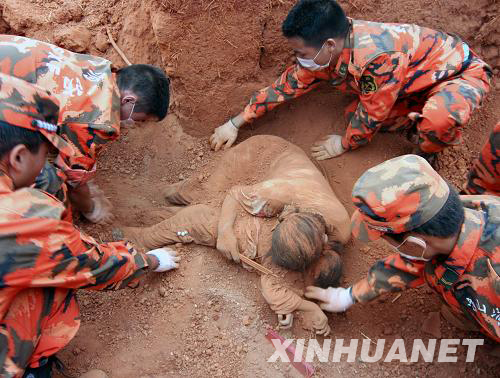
315	21
11	136
446	223
150	84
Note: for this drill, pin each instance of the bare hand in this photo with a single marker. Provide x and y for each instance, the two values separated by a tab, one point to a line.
228	245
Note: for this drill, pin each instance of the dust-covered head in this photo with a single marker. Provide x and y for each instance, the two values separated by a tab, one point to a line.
144	92
327	270
315	21
298	240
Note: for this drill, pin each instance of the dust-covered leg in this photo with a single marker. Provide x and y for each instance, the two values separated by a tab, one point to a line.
193	224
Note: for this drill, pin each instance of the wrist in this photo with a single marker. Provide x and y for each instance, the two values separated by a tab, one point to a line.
351	295
235	125
153	261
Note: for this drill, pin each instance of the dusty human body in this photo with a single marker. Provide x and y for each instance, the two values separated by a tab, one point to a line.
246	222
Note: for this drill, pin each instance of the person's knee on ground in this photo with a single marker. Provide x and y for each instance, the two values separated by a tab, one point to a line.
178	193
298	240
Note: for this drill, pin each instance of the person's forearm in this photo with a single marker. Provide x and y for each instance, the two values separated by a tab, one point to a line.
228	214
81	199
307	306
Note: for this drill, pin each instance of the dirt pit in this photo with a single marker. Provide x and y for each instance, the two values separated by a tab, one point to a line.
208	318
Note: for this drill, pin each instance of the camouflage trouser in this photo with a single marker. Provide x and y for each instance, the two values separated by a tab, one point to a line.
38	324
445	108
484	177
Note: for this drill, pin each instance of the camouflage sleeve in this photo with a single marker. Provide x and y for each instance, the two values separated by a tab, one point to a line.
380	84
484	177
292	83
388	275
49	252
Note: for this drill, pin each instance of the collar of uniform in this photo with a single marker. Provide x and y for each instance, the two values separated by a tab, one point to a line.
6	184
458	260
345	55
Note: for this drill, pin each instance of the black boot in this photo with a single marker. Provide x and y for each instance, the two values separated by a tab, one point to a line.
45	368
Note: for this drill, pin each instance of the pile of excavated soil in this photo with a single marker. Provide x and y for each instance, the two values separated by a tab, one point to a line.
208	318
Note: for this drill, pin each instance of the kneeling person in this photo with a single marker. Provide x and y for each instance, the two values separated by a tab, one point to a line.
452	243
95	98
43	258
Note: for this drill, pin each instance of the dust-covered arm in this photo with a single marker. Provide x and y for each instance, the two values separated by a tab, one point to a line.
226	238
284	301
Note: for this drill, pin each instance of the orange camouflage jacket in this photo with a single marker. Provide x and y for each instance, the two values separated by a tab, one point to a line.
85	87
380	62
468	279
38	249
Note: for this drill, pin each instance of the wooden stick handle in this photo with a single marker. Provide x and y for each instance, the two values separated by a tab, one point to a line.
256	265
120	52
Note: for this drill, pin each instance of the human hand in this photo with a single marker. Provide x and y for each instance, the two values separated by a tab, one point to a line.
102	207
168	259
224	135
327	148
227	243
334	299
320	323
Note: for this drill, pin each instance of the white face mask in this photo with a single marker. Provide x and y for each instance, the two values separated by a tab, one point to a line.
419	242
311	65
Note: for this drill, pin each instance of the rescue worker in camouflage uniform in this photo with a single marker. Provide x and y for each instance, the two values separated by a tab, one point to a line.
94	99
409	78
44	259
451	242
484	177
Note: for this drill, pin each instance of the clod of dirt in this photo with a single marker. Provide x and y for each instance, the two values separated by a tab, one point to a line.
432	325
75	38
101	42
388	330
4	26
94	373
247	320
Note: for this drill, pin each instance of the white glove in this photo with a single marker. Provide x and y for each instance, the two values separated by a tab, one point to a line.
167	257
102	210
328	148
227	133
334	299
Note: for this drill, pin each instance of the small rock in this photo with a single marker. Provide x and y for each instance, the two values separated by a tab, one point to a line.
94	373
75	38
101	42
200	154
162	291
246	320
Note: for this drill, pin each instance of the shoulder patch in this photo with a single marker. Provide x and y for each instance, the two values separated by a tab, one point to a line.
367	84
